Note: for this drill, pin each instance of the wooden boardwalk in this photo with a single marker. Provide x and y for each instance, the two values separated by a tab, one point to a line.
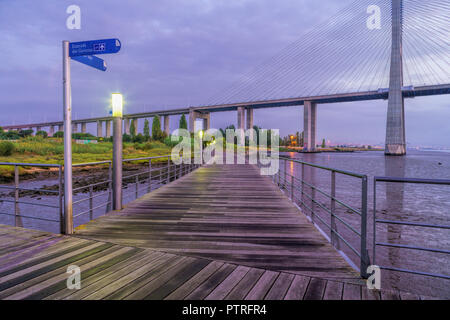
228	213
33	265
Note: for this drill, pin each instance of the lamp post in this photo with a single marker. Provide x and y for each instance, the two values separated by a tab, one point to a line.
117	107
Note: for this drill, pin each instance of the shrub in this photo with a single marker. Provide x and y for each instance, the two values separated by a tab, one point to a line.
139	138
42	133
168	142
83	136
126	138
6	148
25	133
58	134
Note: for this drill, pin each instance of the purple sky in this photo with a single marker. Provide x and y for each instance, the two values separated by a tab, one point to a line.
178	53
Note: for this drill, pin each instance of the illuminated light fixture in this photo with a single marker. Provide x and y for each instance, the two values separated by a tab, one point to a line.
117	104
200	134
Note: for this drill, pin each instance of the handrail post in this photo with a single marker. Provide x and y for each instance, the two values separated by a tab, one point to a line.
117	163
285	174
292	188
109	206
60	199
374	244
91	203
303	185
137	186
17	221
333	237
149	189
168	169
364	256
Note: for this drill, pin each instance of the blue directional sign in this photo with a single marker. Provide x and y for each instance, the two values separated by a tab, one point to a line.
88	48
92	61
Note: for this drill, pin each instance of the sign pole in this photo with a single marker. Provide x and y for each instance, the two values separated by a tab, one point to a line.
67	101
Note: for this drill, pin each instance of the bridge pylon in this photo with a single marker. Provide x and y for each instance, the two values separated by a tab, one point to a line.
395	124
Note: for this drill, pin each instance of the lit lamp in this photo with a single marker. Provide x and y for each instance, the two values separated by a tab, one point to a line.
117	107
117	104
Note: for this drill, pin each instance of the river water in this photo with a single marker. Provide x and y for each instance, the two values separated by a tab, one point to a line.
428	204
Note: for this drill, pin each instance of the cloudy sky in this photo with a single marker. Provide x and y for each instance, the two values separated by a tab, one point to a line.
178	53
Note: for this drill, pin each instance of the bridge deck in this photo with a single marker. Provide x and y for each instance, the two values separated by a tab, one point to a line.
33	265
228	213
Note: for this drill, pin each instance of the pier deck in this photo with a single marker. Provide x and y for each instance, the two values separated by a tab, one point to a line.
33	265
228	213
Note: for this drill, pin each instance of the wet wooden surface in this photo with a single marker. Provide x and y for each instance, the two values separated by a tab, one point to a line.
33	265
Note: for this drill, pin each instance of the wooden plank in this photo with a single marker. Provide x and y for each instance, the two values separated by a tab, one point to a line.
221	291
389	295
298	288
333	290
244	286
211	283
370	294
408	296
127	284
181	292
351	292
91	282
259	291
280	287
315	289
180	278
239	217
59	277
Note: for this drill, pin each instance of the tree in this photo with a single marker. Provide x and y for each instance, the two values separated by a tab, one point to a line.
183	122
42	133
323	143
132	130
25	133
156	129
146	130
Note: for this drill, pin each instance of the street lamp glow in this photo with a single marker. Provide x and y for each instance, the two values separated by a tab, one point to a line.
200	133
117	104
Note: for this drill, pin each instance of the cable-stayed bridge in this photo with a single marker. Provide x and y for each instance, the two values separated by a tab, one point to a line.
372	49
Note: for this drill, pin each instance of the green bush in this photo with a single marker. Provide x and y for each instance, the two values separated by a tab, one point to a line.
6	148
139	138
42	133
26	133
83	136
58	134
168	142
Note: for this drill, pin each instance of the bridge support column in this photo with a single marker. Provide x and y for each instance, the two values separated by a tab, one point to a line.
127	125
38	129
99	129
241	124
166	125
395	124
74	127
206	121
108	128
60	127
83	127
51	131
250	123
309	125
193	115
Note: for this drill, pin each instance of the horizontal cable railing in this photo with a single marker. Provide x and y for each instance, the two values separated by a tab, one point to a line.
99	193
305	194
377	222
17	211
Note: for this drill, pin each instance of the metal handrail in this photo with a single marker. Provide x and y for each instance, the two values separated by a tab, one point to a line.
299	185
406	223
